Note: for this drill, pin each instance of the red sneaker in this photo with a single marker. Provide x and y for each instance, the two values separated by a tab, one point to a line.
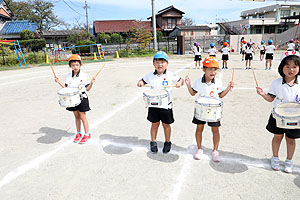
77	138
85	138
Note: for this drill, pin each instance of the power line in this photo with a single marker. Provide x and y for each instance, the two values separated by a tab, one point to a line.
72	8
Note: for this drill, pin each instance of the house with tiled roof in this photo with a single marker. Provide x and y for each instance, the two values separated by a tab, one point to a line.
166	20
10	29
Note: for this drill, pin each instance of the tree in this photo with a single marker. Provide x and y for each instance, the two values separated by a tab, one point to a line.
104	38
141	36
38	11
187	21
79	36
26	35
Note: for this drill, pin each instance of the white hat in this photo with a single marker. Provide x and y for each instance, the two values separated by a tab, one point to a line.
289	53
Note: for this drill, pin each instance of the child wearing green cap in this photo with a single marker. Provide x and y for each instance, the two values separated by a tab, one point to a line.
161	78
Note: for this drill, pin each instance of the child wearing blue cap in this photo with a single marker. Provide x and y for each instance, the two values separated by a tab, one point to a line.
161	78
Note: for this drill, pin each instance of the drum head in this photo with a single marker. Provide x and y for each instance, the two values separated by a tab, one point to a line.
288	109
210	101
156	92
64	91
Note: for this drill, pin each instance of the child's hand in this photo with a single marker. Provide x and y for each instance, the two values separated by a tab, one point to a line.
140	83
231	85
260	91
187	80
57	80
93	79
178	84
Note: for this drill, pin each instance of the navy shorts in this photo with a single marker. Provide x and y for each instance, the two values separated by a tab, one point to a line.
197	58
225	57
82	107
160	114
262	52
269	56
248	56
211	124
290	133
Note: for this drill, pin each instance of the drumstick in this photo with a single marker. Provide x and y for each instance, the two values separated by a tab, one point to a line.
233	73
53	70
254	77
99	71
190	69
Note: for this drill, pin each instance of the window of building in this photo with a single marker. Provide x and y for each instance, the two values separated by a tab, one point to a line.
261	16
171	23
285	13
269	29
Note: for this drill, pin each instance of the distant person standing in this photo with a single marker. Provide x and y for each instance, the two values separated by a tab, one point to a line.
297	46
262	48
197	50
249	54
291	45
225	55
270	53
212	51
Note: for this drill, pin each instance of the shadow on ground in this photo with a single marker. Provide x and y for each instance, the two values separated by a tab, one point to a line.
52	135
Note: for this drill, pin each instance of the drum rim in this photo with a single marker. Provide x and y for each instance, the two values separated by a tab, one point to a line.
163	95
209	104
68	94
281	116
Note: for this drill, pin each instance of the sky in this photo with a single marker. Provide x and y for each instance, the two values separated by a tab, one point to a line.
201	11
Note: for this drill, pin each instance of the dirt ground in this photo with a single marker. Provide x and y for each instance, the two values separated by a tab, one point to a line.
40	161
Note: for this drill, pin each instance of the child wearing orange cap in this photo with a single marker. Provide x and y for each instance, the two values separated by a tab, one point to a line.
210	87
80	80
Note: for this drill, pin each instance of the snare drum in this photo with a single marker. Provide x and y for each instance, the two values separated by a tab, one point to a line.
157	98
208	109
287	115
69	97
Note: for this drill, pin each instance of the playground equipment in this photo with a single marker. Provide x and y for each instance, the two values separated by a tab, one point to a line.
61	54
17	46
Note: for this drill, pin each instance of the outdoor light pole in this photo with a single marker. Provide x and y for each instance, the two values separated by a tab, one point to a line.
154	26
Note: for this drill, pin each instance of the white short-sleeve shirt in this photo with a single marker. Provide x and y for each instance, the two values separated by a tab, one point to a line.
283	92
270	48
80	81
198	53
248	50
212	51
225	51
211	90
159	81
291	47
262	47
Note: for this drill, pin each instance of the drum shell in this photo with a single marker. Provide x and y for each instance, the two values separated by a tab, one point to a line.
69	98
286	122
156	100
209	112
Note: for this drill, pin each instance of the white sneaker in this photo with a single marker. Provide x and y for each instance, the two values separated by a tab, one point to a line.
288	166
275	163
198	155
215	156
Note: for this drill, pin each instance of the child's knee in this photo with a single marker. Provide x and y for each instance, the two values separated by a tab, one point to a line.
290	141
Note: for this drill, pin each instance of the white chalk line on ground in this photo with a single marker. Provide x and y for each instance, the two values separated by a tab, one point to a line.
40	159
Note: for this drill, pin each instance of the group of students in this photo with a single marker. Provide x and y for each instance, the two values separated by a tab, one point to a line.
212	51
208	86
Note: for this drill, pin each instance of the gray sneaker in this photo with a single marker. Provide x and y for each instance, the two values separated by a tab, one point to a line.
275	163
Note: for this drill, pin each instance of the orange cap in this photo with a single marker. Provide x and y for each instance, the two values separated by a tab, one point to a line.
210	62
225	43
75	57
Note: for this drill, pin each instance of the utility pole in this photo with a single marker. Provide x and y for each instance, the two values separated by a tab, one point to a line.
86	15
154	26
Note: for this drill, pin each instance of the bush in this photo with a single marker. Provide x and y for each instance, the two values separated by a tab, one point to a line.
26	35
116	38
123	53
30	58
104	38
34	45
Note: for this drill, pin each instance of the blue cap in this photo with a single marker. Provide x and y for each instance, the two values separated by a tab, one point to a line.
270	41
227	41
161	54
262	42
212	44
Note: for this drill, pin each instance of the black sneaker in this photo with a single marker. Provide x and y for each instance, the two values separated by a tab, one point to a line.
167	147
153	147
